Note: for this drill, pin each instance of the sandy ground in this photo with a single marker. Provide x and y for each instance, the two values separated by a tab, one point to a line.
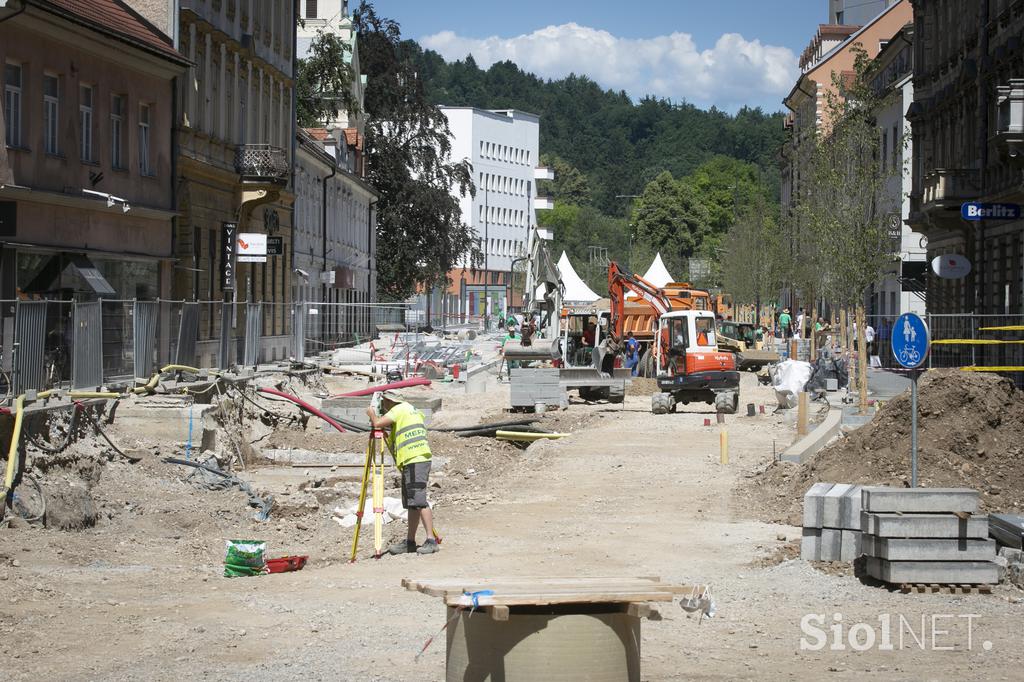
630	494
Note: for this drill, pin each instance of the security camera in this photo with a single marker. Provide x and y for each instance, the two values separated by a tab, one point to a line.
301	273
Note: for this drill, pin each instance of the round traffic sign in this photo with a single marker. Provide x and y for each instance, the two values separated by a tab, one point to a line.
910	341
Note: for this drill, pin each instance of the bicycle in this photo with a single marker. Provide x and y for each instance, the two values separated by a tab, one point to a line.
910	356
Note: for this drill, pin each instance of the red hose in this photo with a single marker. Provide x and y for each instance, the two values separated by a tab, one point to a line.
304	405
370	390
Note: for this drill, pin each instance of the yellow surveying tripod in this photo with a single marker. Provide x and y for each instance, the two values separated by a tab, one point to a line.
374	466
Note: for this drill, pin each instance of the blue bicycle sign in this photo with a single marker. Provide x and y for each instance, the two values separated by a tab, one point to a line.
910	341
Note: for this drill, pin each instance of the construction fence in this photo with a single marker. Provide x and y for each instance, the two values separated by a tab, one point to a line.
76	344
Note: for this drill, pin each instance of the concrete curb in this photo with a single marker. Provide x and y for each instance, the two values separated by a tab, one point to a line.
806	447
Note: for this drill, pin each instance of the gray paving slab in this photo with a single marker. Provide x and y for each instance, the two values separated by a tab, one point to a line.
814	501
850	545
914	500
941	572
810	544
929	549
831	544
849	509
831	514
924	525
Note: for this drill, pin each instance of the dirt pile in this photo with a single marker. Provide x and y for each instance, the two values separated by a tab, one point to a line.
969	435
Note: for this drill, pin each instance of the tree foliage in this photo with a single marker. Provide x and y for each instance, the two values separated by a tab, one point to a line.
618	144
323	82
842	212
751	256
420	233
570	184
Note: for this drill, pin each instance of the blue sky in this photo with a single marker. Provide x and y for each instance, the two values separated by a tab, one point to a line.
724	52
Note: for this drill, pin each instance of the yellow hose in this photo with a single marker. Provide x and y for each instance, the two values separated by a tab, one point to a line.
12	453
148	386
520	435
106	395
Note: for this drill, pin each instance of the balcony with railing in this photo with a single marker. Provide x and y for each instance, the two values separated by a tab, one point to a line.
945	187
1010	117
261	164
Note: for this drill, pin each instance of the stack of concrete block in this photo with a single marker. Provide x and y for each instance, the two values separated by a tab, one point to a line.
530	387
831	523
926	535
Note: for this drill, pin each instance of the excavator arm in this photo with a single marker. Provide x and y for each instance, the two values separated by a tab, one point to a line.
619	280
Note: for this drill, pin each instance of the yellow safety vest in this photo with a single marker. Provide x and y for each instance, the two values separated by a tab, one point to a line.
408	437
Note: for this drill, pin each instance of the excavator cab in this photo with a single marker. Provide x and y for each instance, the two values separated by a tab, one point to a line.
691	368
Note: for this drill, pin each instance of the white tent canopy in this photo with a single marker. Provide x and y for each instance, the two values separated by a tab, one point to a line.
576	290
657	274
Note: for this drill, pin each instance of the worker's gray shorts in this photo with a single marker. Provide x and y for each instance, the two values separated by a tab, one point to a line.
414	485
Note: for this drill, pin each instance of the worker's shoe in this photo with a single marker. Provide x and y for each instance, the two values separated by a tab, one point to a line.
428	547
405	547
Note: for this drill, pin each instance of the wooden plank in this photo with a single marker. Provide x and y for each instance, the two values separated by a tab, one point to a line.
499	612
558	598
583	590
437	587
666	595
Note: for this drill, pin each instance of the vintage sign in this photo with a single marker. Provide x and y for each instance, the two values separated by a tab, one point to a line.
229	237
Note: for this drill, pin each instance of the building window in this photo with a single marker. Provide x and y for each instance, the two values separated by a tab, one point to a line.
311	9
51	113
117	131
85	120
144	165
12	104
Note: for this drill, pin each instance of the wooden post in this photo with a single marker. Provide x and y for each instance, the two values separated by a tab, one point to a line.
723	446
862	361
801	414
842	329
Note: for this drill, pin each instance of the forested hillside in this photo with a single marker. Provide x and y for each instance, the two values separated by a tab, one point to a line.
604	144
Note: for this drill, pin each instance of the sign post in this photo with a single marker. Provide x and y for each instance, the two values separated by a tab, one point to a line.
910	343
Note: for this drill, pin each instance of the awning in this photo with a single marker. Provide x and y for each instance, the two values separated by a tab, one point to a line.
48	275
92	276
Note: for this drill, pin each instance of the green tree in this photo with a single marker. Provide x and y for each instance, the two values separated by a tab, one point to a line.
570	185
420	233
670	219
751	255
323	82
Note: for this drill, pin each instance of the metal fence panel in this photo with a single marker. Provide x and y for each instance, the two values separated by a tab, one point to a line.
30	342
188	335
144	337
253	335
299	332
87	349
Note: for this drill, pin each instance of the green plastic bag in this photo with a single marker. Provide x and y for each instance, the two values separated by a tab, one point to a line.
245	554
232	571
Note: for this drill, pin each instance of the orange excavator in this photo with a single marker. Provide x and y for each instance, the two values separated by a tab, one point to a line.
683	345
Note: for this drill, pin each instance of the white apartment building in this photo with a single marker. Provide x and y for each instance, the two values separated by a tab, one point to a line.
503	148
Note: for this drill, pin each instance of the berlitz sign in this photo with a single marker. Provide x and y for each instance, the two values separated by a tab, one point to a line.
977	211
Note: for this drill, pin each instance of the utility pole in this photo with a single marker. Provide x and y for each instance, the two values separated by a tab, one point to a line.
629	218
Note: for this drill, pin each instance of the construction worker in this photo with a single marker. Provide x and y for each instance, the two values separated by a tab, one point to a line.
407	440
785	322
632	354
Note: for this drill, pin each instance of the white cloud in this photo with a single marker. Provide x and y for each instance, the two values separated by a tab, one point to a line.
735	71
